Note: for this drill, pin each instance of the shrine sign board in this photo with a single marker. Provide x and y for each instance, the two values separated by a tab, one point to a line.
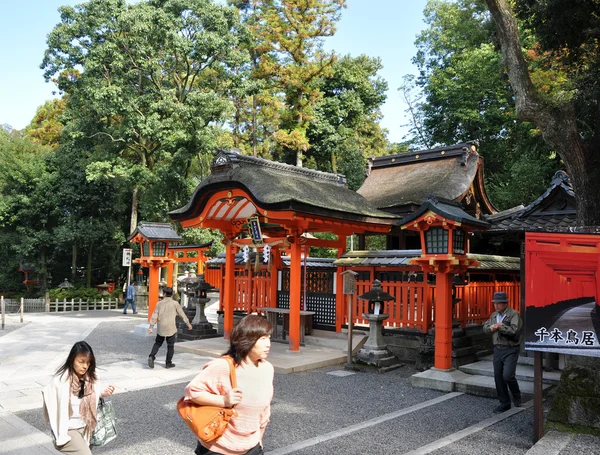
562	311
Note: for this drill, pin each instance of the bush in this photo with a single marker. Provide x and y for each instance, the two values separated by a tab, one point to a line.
85	294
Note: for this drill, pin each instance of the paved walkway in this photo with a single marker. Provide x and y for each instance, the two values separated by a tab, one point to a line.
313	413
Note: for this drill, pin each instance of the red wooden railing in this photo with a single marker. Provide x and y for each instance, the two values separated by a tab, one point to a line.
413	305
412	308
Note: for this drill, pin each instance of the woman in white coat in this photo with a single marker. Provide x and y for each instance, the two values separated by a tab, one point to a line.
71	400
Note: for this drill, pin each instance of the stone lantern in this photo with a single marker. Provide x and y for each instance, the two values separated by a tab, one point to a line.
196	289
375	351
444	227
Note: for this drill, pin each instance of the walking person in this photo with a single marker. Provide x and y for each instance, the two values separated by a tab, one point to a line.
130	299
71	400
165	314
505	325
249	347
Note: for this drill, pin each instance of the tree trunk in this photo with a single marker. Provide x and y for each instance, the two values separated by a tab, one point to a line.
557	124
89	267
254	144
43	270
73	263
135	202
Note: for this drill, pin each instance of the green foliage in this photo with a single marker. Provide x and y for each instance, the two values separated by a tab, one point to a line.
75	293
146	104
291	58
199	236
467	97
345	130
46	127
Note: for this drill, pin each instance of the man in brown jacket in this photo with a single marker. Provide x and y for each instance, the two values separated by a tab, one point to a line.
165	313
505	325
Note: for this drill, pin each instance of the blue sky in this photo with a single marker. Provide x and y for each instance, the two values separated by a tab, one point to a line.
378	28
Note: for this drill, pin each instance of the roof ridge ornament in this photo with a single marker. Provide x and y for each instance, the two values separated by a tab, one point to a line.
225	159
561	177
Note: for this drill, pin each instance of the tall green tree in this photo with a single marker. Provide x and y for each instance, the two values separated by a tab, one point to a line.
28	208
467	97
565	112
292	58
345	130
149	95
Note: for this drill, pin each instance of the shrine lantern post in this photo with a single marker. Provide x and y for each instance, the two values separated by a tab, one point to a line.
444	228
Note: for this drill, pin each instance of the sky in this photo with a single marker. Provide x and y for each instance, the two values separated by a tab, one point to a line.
377	28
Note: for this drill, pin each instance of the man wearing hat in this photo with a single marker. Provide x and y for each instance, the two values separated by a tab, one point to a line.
505	325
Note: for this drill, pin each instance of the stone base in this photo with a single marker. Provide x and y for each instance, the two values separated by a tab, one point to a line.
379	358
442	380
198	332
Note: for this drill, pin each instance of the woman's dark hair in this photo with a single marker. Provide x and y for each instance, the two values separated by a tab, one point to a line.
245	335
81	347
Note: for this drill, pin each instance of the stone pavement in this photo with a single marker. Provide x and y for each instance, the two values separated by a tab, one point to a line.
313	413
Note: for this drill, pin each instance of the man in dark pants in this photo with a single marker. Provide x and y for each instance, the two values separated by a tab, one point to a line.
505	325
165	314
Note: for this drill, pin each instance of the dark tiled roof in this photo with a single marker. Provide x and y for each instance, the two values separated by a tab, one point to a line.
396	258
278	186
447	209
398	180
310	263
156	231
552	211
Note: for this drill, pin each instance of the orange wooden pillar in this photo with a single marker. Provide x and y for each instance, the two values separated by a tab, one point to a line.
229	290
170	274
339	290
275	266
295	290
443	321
153	278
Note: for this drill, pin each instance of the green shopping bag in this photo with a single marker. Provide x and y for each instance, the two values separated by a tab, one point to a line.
106	426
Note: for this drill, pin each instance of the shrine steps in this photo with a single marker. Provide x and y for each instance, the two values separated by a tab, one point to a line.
477	378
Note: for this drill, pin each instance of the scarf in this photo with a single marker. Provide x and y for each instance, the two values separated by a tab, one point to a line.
87	405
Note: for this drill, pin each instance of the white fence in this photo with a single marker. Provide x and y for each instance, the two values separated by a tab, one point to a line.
47	306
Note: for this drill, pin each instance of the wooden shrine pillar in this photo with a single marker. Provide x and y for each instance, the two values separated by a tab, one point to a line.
170	275
275	267
229	290
295	293
443	321
200	265
340	304
153	279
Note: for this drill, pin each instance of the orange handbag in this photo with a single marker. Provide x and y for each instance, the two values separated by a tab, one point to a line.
208	422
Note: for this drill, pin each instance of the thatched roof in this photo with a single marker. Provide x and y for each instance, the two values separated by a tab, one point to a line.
400	183
278	186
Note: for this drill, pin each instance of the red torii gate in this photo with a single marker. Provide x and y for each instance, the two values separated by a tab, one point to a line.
285	202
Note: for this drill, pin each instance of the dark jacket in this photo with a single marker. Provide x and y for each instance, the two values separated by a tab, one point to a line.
511	332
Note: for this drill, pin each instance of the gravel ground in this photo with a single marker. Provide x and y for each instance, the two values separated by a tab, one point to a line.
309	405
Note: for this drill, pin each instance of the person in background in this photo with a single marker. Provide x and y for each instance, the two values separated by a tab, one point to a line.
71	400
250	343
130	299
165	314
505	325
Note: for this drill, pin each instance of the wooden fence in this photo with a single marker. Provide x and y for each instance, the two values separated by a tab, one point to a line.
412	307
13	306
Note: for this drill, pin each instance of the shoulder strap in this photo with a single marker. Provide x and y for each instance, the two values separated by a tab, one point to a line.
232	375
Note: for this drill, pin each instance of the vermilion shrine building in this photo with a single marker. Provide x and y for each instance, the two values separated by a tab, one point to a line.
285	205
